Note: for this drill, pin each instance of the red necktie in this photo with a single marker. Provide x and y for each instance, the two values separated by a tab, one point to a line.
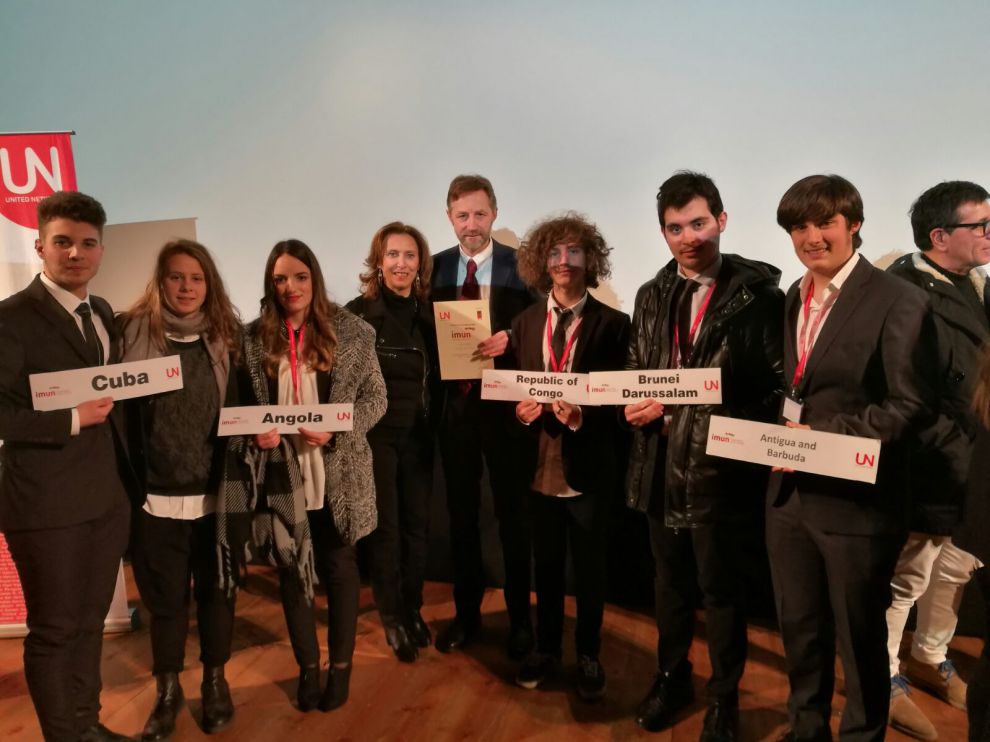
470	289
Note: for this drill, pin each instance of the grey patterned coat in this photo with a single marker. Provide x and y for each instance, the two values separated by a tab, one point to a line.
356	379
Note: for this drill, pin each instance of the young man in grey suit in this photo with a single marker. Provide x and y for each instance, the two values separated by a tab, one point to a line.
859	346
478	267
63	506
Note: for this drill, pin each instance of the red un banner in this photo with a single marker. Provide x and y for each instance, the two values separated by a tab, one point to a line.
32	167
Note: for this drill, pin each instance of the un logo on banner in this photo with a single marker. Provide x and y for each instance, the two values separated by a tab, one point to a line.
33	167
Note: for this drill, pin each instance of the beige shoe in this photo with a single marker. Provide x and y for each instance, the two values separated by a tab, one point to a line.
942	680
904	715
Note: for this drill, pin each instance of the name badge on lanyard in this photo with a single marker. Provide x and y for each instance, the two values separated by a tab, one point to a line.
793	404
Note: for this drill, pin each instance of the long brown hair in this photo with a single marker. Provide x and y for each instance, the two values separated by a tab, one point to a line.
321	338
981	393
222	321
370	283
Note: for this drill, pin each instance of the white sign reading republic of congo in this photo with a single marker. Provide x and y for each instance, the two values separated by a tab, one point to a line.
320	418
59	390
813	451
516	386
672	386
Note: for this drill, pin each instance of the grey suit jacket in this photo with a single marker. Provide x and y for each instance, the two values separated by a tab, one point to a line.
49	478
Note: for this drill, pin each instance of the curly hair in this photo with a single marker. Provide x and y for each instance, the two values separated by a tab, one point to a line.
321	338
370	282
222	320
571	229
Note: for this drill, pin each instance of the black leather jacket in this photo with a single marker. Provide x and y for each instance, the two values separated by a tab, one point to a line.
741	334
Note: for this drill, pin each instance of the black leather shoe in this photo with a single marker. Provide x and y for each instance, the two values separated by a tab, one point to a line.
417	629
721	721
455	635
168	703
520	642
218	708
99	733
400	643
308	692
671	692
338	688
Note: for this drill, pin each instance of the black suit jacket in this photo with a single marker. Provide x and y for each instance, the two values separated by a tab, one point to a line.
508	294
589	453
49	478
871	373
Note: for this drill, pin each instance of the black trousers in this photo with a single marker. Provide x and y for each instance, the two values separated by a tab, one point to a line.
68	576
472	428
337	570
403	466
832	589
166	553
583	520
978	695
688	559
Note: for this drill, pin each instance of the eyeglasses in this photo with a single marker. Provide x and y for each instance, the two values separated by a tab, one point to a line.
982	229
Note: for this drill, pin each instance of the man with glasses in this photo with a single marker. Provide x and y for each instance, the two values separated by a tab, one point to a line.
950	224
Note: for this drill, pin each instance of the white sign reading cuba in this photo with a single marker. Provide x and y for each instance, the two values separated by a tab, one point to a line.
60	390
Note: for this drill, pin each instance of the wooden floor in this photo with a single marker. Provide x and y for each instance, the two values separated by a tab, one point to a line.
462	696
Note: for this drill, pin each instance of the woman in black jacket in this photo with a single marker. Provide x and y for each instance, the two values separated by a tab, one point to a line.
185	312
394	301
973	535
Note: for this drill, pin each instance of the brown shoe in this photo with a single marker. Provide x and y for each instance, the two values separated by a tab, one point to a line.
904	715
942	680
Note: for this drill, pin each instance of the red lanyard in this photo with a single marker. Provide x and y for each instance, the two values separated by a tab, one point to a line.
807	338
555	365
694	325
293	363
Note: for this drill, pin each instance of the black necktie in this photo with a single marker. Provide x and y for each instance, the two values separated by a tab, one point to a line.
557	341
93	345
684	321
470	289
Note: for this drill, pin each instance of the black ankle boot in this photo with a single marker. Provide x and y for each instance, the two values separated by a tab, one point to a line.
398	639
161	723
218	708
338	687
417	629
308	693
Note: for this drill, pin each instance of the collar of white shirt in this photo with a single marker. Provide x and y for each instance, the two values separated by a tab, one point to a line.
576	309
837	280
707	276
66	298
480	257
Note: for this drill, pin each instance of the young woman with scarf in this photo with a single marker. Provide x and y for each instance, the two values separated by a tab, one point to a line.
305	499
185	312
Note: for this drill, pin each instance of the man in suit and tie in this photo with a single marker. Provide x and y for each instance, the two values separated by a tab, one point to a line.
568	453
859	350
478	267
63	506
704	309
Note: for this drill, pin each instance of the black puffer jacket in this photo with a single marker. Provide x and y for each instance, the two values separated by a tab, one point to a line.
940	459
741	334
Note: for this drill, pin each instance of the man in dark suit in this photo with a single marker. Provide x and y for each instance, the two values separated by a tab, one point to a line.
704	309
480	268
568	453
859	346
63	506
